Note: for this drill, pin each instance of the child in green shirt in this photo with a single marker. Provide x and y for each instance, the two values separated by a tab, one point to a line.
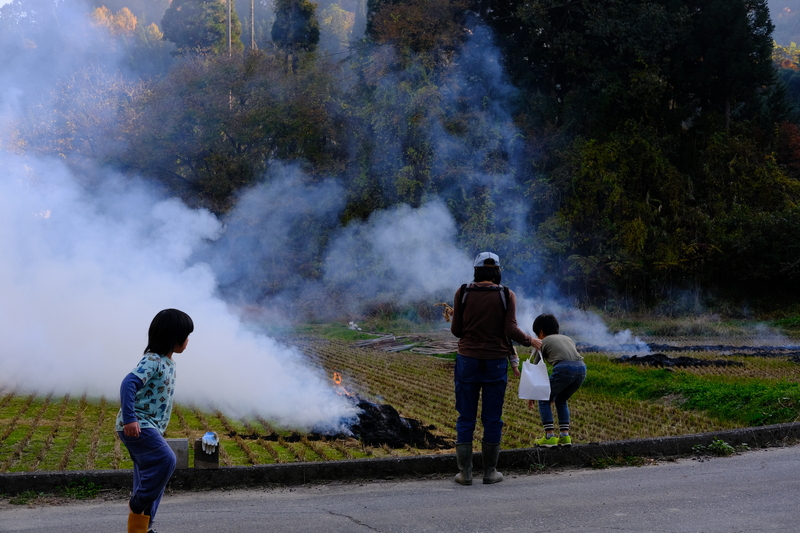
567	375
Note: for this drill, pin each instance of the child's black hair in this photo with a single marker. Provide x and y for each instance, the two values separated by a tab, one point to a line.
488	273
168	329
546	323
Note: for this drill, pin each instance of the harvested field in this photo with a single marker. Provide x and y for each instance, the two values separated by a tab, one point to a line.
44	432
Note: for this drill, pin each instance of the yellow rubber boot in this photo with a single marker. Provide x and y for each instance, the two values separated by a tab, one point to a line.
138	523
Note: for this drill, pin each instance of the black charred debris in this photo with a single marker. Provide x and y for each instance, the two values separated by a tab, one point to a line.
380	424
377	425
661	360
792	353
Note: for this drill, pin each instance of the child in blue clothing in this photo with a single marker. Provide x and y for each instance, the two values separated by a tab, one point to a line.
567	376
146	405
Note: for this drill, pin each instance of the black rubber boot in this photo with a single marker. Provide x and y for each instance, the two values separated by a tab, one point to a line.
464	460
491	453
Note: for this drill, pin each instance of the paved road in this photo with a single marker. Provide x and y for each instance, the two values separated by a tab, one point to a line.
753	492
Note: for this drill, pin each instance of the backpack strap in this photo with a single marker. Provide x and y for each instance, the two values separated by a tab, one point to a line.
501	289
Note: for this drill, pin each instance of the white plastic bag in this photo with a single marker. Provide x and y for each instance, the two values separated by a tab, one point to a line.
534	383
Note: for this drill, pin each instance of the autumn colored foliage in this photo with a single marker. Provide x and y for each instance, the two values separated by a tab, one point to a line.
628	150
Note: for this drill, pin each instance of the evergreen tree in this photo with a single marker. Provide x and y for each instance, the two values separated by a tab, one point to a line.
727	59
296	28
200	26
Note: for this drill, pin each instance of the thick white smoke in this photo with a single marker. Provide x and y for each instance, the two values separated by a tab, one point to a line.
83	273
399	255
583	326
86	263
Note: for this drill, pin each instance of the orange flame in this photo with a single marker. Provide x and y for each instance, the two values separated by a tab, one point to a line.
337	380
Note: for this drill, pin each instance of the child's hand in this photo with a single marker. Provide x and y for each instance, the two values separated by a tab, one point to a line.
531	404
517	373
132	429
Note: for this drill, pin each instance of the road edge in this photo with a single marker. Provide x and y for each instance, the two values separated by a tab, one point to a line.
288	474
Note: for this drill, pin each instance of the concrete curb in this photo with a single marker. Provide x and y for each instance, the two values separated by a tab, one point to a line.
580	455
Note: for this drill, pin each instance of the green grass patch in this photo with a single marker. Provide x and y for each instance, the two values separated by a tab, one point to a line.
332	454
192	420
260	453
718	447
105	453
15	436
236	454
748	401
24	498
80	490
709	325
361	454
333	331
284	455
791	324
54	454
17	406
77	459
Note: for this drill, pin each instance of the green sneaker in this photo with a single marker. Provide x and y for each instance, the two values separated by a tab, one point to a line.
565	440
547	443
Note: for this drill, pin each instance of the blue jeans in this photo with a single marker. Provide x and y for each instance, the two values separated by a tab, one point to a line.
565	379
480	379
153	464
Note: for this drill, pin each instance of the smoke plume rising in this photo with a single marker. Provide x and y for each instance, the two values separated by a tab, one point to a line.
84	272
88	259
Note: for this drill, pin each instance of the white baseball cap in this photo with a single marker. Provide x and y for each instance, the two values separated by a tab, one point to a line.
481	258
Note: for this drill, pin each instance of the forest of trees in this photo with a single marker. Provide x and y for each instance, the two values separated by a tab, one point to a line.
633	150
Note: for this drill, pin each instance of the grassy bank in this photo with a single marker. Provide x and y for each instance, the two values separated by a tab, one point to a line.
752	395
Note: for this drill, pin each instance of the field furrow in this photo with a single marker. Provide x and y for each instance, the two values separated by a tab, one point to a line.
70	455
47	442
24	433
18	406
97	434
41	433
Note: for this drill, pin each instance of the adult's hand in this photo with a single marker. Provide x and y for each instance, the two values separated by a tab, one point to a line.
536	343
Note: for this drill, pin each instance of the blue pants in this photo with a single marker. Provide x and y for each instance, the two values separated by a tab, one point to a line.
153	464
480	379
565	379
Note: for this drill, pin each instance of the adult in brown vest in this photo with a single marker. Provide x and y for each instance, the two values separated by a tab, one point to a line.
485	322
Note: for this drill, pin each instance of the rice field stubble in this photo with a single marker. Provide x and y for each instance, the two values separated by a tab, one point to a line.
41	432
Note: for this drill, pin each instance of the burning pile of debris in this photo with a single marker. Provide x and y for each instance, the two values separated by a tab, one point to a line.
377	425
381	424
661	360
